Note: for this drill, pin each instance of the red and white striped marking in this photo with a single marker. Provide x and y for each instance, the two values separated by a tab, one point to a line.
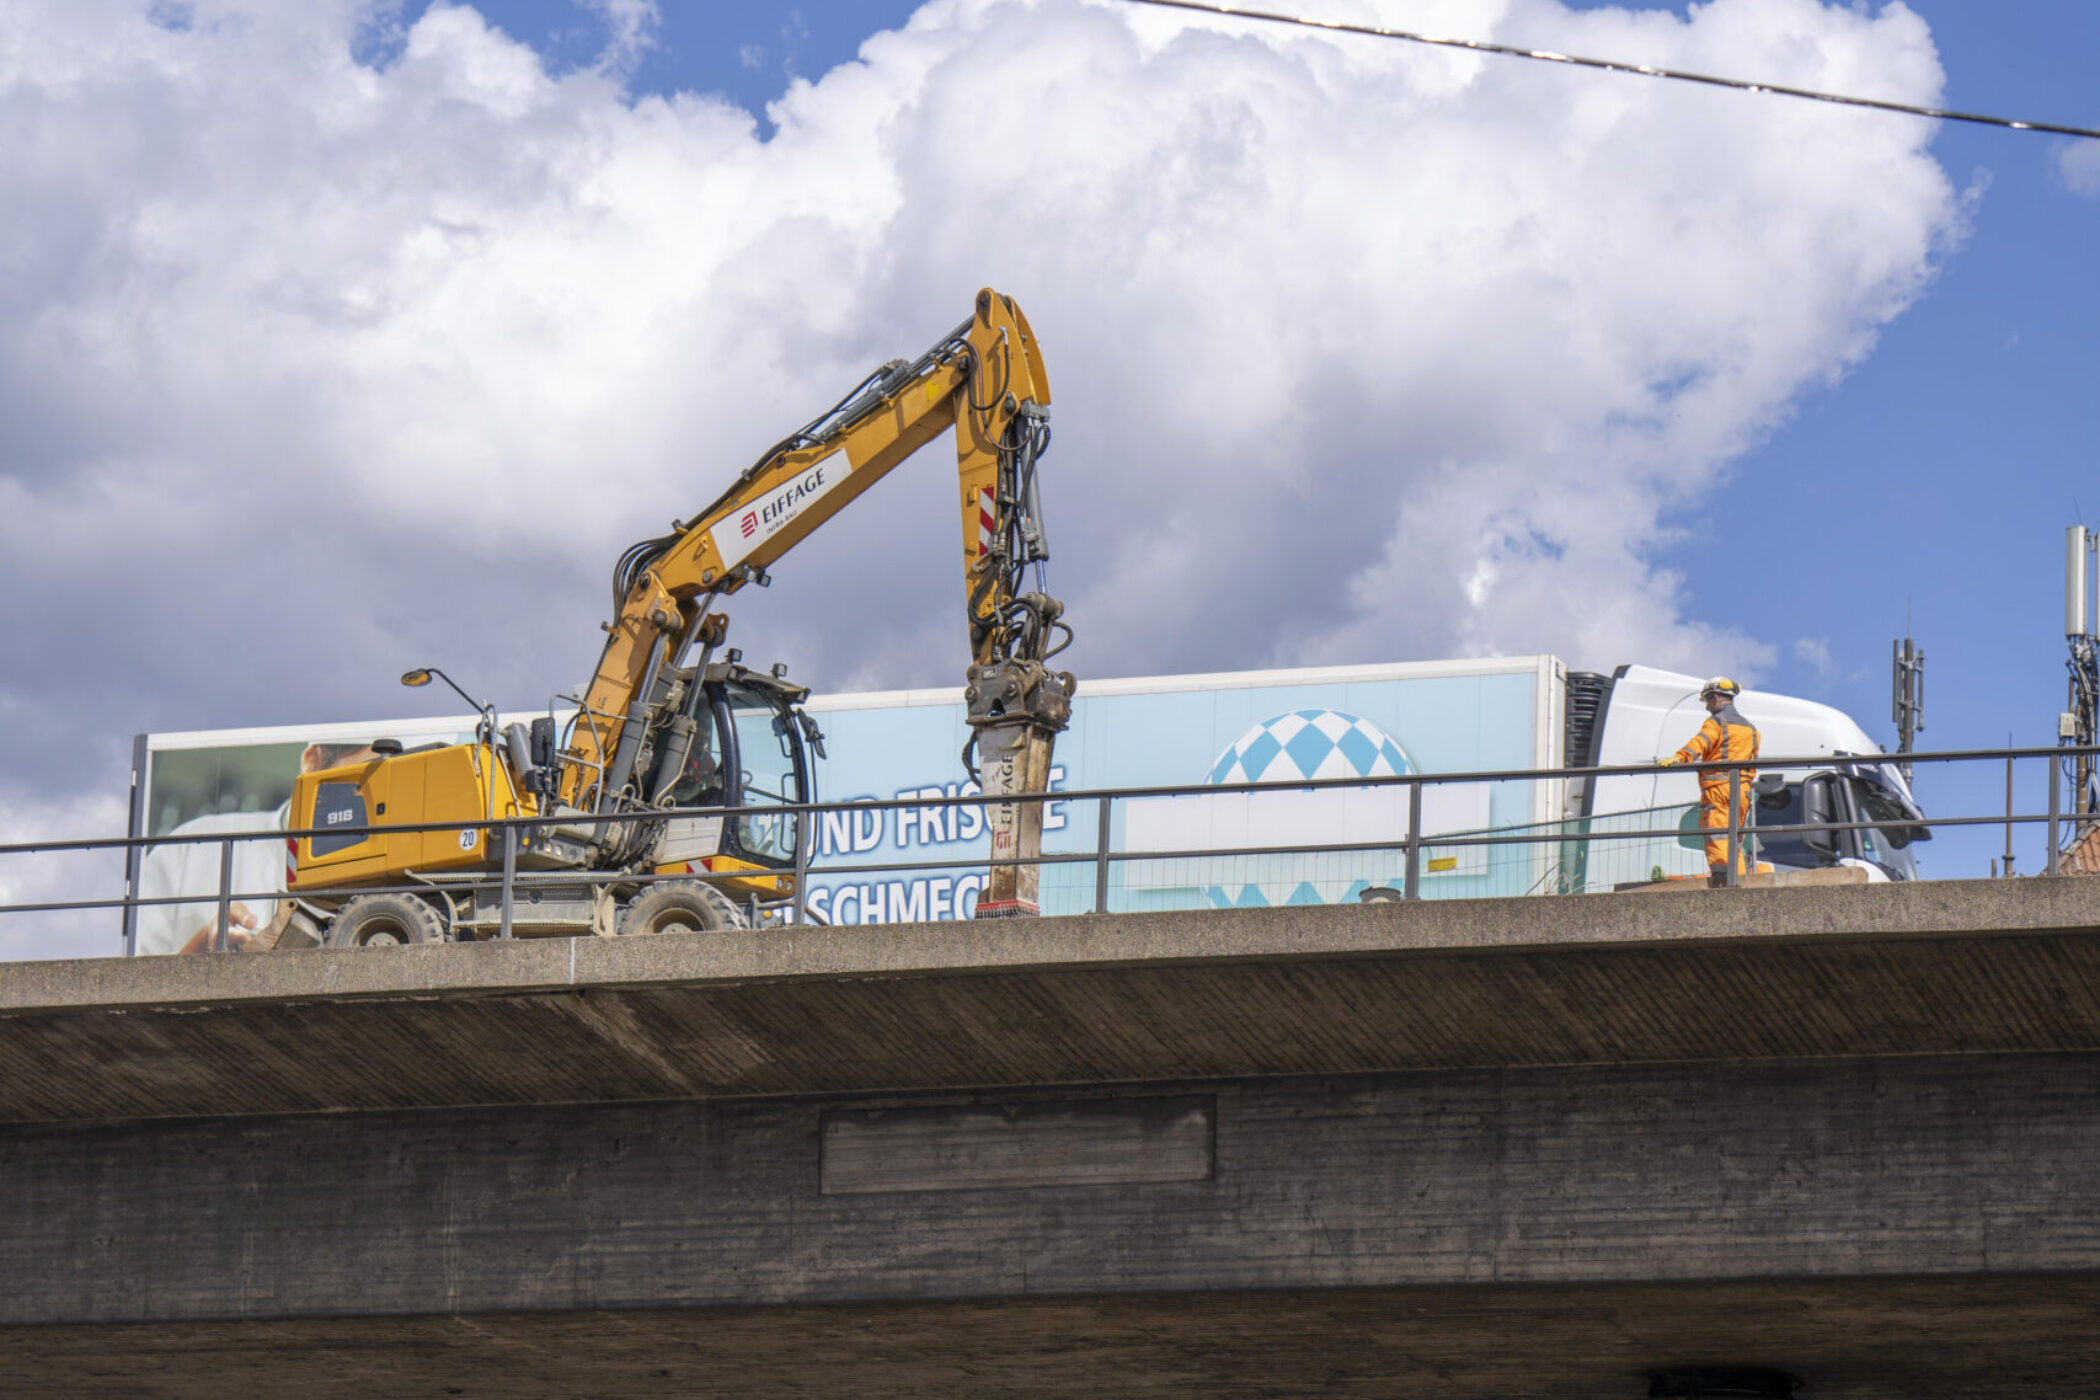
987	522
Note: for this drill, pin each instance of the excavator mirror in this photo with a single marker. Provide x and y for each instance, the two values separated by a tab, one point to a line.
418	677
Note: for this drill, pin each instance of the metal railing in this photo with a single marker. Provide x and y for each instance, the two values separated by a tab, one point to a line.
508	884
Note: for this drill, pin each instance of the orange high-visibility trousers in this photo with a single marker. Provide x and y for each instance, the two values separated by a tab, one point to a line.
1713	816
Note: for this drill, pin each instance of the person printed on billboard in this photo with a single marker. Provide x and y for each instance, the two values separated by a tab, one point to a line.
190	872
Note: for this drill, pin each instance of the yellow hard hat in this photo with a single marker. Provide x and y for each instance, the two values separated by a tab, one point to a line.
1720	685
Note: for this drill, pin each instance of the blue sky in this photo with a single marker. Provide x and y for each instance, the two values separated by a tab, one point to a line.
1928	487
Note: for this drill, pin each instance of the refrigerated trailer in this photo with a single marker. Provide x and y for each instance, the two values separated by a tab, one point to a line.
1279	728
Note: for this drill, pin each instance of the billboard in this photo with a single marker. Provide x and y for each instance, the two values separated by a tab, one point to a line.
1273	728
232	782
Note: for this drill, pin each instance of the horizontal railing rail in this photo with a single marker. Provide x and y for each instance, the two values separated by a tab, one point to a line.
508	884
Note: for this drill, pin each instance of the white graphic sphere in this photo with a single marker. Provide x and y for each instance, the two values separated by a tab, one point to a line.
1291	748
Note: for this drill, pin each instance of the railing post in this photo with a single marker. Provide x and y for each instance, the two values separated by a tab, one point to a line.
134	856
2056	802
804	820
1735	798
1413	887
510	877
1101	856
221	937
2008	814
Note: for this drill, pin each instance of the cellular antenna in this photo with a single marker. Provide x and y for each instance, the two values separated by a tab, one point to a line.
1907	698
2078	725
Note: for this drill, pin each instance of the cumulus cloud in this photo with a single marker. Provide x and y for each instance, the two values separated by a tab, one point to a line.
61	877
320	358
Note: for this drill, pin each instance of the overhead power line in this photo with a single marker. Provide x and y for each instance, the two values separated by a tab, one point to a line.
1641	70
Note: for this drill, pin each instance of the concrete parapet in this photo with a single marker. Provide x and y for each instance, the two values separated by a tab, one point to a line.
1747	974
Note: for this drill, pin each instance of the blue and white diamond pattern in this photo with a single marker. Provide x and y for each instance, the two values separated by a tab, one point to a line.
1310	744
1291	747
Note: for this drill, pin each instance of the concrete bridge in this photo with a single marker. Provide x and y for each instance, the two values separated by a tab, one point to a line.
1503	1148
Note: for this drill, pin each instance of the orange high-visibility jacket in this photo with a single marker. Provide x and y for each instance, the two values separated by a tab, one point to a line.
1726	735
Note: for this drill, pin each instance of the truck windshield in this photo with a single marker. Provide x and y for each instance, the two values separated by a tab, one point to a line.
765	743
1887	842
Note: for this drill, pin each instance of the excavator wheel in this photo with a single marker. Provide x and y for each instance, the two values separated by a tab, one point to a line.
680	906
377	920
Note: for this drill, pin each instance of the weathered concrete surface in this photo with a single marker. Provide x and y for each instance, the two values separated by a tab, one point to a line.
1505	1148
1751	974
1965	1165
1902	1339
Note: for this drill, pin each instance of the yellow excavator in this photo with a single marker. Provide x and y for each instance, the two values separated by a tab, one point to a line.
659	803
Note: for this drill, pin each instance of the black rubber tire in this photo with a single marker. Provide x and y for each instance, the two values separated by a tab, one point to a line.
680	906
379	920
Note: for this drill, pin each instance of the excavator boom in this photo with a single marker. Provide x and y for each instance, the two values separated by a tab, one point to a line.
985	380
702	759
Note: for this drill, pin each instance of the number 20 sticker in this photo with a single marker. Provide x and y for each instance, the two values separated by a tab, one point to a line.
466	840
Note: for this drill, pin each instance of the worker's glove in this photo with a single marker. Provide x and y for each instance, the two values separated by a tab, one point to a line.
1666	762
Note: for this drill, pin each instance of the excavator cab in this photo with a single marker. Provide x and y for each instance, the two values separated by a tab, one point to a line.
752	755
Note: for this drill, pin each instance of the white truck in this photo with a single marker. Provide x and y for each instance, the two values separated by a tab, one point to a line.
1278	728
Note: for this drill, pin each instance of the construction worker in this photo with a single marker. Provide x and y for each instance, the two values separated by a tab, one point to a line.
1725	736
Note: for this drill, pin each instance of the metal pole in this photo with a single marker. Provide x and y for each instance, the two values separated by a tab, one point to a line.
803	822
510	876
134	857
2056	783
2008	812
1101	857
1735	797
219	938
1414	840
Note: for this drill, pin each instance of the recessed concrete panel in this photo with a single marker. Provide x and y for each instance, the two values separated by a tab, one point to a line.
1015	1146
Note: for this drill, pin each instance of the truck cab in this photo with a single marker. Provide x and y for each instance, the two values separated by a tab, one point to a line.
1641	714
1848	794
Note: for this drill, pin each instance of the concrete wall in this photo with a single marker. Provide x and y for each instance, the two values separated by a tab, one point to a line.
1513	1148
1979	1166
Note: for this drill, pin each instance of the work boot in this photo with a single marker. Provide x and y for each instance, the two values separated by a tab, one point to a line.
1717	879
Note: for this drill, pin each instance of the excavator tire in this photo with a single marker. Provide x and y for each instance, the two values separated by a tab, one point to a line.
377	920
680	906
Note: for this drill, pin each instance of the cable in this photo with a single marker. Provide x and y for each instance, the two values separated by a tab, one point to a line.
1635	69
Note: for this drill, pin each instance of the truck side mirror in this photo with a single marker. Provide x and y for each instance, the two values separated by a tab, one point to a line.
1818	807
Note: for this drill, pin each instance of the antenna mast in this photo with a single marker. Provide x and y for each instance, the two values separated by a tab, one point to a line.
1907	699
2078	725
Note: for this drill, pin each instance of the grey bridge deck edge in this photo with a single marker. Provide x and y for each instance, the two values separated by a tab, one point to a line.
1930	968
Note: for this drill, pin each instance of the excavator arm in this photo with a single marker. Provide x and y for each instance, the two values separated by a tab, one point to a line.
986	381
